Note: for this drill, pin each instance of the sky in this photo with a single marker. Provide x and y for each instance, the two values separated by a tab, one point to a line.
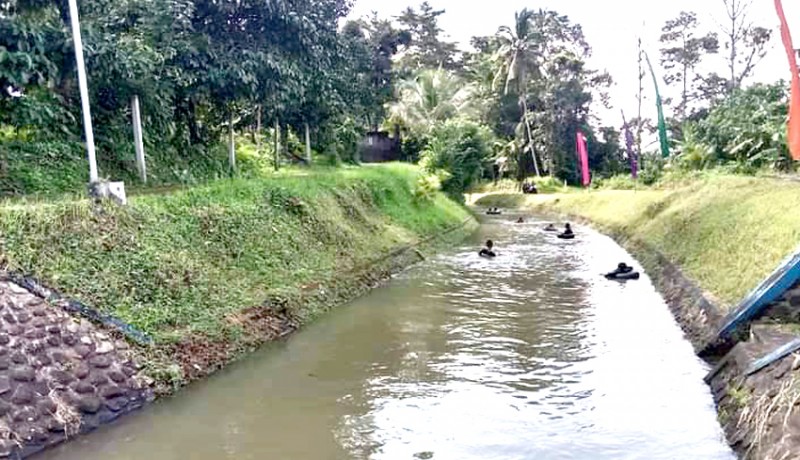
611	28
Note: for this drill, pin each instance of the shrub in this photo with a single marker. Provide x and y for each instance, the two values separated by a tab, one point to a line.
748	128
462	150
548	184
426	187
653	169
618	182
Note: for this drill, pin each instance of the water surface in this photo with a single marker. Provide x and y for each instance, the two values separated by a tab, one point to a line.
532	355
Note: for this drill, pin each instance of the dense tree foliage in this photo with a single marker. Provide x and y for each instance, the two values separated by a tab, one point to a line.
275	70
718	120
197	66
458	154
428	50
747	129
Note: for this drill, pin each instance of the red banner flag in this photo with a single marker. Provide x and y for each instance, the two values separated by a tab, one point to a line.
793	135
583	155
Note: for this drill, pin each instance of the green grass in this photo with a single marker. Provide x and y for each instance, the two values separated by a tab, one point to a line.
181	262
726	232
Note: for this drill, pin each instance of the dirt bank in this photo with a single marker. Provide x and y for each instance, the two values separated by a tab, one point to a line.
175	286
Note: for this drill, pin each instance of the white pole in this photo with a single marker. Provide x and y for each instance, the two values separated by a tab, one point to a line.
277	143
232	146
87	115
258	130
137	139
308	144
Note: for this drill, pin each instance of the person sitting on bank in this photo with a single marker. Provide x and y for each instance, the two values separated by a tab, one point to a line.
529	189
488	251
551	228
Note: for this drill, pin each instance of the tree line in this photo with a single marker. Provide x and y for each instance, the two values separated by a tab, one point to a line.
290	70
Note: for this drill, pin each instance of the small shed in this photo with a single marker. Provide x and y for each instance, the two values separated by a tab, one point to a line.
380	147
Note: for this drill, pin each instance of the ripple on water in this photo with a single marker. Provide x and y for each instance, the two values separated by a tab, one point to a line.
532	355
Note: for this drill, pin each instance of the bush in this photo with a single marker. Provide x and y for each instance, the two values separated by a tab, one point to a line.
548	184
653	169
347	139
412	147
462	150
618	182
426	187
44	167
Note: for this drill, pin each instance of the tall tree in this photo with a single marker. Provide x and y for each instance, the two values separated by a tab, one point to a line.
384	42
745	42
682	52
518	60
428	48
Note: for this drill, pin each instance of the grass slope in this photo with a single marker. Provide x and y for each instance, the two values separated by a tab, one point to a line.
726	232
180	263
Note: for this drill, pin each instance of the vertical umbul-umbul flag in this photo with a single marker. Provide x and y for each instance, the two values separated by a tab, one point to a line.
793	134
662	123
583	157
633	155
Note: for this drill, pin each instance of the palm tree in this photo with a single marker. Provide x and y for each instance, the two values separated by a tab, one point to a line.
431	97
518	60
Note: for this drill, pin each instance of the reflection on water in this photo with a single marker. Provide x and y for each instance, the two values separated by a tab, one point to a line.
531	355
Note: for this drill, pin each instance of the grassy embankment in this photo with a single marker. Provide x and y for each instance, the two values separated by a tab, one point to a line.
183	264
725	232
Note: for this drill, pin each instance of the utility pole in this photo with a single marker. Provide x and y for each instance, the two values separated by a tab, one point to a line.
84	90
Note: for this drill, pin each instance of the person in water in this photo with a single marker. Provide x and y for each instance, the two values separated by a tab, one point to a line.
551	228
623	272
521	221
567	234
622	269
488	251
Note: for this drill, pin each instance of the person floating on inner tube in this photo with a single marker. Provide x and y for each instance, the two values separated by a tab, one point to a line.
488	251
568	233
493	212
521	221
551	228
622	268
623	272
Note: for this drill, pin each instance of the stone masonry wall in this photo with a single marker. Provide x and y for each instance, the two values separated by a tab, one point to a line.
59	376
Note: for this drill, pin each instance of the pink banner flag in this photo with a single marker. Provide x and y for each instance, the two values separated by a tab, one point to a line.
583	156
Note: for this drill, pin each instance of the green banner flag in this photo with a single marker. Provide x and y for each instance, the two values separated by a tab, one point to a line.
662	124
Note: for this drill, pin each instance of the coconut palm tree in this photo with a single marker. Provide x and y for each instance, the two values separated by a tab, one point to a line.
518	61
431	97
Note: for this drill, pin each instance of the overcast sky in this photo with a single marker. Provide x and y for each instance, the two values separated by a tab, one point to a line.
611	28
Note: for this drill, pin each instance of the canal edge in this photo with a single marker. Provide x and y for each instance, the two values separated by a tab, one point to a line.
758	413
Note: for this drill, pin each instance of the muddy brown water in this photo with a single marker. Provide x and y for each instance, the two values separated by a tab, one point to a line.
532	355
